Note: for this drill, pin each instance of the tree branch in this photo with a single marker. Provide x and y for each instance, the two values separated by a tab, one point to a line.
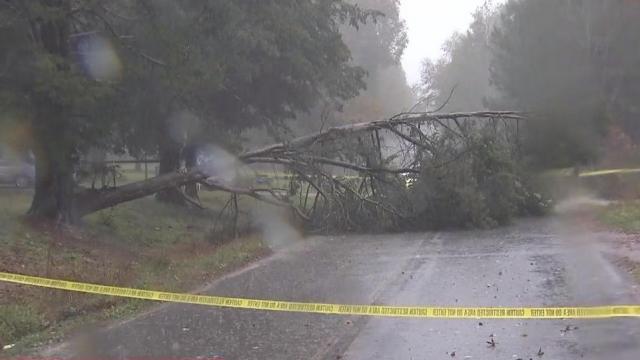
335	133
363	169
212	185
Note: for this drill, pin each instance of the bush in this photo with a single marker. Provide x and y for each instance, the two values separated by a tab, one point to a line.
483	188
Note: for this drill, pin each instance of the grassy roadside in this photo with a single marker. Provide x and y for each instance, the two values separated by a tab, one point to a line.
139	244
624	217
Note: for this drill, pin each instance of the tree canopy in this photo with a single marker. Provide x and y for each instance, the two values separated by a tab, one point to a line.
146	76
463	69
376	47
570	63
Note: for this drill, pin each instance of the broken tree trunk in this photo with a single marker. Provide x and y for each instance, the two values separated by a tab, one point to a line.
93	200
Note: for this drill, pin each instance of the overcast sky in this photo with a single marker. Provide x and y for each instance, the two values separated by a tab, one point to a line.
429	24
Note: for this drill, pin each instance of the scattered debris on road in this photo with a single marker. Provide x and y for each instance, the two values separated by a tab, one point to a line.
567	329
491	343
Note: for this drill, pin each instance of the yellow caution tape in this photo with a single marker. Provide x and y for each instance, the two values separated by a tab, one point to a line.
565	172
291	176
597	312
608	172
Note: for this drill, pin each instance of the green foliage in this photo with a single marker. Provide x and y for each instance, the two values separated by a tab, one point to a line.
136	76
237	65
376	46
482	188
542	60
17	321
562	61
251	62
624	216
380	43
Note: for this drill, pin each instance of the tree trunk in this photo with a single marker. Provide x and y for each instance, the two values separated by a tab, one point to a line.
90	200
170	151
54	145
190	162
54	184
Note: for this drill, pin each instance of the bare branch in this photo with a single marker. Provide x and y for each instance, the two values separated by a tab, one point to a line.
363	169
213	185
453	89
115	14
338	132
119	38
410	139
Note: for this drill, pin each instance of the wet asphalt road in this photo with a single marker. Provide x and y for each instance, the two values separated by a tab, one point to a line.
533	263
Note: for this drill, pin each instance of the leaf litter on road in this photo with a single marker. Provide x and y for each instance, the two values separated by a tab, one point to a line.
491	343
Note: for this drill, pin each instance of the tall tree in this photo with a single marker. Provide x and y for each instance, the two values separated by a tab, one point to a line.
610	30
542	60
376	47
460	79
274	59
569	62
44	82
228	64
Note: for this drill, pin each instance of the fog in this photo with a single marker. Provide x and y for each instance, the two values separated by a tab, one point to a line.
283	150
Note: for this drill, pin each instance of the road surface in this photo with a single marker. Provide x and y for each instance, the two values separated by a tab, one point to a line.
533	263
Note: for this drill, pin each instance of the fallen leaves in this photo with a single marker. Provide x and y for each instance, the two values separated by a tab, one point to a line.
491	343
567	329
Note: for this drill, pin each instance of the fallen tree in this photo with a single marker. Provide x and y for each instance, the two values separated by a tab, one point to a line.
386	155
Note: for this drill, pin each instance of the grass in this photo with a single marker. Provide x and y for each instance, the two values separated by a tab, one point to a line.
17	320
624	216
138	244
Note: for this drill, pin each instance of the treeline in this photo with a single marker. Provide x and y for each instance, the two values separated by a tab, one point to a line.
573	64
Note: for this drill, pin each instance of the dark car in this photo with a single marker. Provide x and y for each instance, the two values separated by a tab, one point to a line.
17	173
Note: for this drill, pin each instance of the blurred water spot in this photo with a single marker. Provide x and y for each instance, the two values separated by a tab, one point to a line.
218	163
98	57
579	203
183	124
277	231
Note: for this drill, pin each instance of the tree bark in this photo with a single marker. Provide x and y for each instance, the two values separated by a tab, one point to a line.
191	162
89	200
54	164
170	155
54	198
53	144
